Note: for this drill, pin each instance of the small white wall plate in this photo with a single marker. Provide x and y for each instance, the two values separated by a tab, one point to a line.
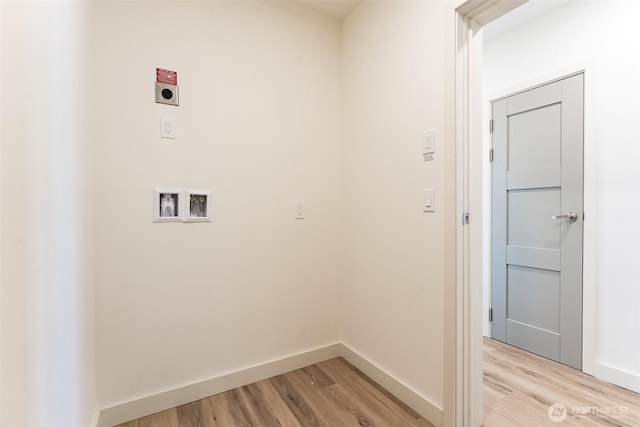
167	204
197	205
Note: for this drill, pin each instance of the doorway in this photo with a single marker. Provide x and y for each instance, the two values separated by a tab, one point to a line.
610	347
472	16
536	255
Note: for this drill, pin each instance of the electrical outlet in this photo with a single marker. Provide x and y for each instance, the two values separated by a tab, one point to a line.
167	94
168	127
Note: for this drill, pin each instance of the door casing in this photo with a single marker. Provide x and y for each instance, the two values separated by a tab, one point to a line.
470	17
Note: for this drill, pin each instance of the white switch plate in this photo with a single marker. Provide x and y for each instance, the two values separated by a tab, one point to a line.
168	127
299	210
429	200
428	137
428	144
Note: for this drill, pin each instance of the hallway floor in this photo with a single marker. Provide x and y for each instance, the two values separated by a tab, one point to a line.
520	387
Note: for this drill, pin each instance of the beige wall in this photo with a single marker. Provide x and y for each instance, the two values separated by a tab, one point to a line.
394	83
277	105
259	125
47	348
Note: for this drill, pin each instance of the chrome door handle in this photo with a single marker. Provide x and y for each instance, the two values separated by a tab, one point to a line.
571	216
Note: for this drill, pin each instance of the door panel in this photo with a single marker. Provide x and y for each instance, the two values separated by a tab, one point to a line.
532	178
539	232
547	259
535	340
537	260
531	146
529	289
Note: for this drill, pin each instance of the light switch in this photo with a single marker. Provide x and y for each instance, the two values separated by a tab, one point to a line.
429	200
299	210
428	145
428	141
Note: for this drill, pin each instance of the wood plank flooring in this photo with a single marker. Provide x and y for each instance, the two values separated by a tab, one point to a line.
519	387
332	393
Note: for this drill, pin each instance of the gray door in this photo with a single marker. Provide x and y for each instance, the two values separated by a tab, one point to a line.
536	267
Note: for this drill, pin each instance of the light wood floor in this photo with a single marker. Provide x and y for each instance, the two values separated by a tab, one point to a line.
331	393
519	387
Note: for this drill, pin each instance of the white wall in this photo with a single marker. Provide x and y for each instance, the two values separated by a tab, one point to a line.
47	350
601	36
259	125
393	90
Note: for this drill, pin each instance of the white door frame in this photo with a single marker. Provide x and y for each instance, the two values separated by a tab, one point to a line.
466	400
470	17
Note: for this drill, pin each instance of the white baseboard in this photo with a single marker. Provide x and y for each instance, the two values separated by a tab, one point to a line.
616	376
95	419
138	408
427	409
179	396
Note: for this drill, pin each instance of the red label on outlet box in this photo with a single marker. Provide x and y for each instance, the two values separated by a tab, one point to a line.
166	76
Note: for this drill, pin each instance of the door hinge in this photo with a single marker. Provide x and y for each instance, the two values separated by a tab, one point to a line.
465	218
490	155
491	126
491	315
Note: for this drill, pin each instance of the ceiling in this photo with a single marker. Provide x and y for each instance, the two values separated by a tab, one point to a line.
529	11
532	9
337	9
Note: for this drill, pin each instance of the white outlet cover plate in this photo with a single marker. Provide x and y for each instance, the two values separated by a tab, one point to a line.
168	127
